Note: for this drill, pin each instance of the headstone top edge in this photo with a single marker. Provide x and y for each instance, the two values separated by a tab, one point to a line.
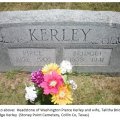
62	10
59	15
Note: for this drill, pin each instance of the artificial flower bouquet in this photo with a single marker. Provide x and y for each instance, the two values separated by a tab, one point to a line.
51	85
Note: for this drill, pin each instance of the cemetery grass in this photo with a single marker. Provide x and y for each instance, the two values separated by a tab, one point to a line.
93	89
106	6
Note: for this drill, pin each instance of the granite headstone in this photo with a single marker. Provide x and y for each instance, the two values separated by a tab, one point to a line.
90	40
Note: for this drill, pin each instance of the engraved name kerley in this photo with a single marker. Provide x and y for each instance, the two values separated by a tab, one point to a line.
53	34
69	34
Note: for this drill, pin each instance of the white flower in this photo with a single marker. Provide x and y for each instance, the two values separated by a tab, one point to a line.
73	84
65	67
31	94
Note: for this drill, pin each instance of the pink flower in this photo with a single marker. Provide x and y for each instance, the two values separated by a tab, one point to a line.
51	83
37	77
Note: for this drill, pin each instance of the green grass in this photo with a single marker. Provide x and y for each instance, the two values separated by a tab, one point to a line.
93	89
106	6
12	84
11	74
97	89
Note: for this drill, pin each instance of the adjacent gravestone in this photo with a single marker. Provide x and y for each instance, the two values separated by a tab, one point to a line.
90	40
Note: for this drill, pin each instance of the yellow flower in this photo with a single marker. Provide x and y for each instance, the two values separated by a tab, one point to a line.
51	67
63	96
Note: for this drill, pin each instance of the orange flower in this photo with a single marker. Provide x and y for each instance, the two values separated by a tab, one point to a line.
63	96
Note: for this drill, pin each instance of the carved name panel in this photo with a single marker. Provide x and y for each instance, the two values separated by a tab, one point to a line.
31	56
88	57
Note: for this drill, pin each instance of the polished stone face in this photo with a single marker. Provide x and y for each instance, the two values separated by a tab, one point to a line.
89	40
